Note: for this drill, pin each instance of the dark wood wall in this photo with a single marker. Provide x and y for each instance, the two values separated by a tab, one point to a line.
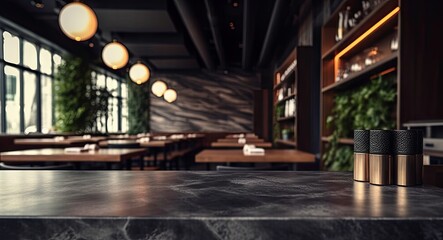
421	59
207	101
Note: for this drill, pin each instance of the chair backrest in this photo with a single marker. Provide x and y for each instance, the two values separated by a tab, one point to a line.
4	166
245	169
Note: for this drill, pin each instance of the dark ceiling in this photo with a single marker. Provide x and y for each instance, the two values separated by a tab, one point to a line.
176	35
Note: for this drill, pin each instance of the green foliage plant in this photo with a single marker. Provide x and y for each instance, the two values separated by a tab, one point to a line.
370	106
138	107
276	124
78	101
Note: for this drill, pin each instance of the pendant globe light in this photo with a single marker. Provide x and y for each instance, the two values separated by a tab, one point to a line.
115	55
159	88
170	95
78	21
139	73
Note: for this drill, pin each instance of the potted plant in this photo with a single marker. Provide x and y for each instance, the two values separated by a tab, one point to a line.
287	133
78	101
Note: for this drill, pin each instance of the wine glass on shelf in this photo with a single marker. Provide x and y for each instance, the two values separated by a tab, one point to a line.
394	43
372	56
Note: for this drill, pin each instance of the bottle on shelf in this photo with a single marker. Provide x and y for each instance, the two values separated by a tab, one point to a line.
286	109
339	35
346	19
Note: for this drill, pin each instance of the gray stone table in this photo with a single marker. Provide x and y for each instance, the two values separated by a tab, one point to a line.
212	205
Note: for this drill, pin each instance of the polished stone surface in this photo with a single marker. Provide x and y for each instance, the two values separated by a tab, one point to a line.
212	205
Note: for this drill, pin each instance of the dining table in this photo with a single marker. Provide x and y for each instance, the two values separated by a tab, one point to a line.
236	140
229	156
239	145
57	142
45	155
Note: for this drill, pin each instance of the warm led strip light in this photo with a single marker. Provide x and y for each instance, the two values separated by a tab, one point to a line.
362	37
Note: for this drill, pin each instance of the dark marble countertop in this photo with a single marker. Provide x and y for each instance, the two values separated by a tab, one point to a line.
213	205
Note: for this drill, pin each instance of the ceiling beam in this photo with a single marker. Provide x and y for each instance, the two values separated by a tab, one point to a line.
271	32
248	33
195	31
215	30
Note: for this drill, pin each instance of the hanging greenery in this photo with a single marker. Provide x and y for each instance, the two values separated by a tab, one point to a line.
278	112
138	107
78	101
370	106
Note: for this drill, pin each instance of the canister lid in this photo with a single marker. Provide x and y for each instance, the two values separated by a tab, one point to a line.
380	141
361	141
405	142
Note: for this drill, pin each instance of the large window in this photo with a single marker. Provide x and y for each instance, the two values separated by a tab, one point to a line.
12	108
30	102
27	68
28	75
124	107
115	120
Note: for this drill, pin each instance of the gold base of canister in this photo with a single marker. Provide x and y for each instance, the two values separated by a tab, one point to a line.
361	167
380	169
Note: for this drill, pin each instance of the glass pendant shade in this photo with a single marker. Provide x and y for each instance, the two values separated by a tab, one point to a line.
170	95
78	21
139	73
115	55
159	88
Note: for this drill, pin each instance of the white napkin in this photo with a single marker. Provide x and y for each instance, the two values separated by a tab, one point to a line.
242	140
160	138
252	150
59	138
91	147
144	139
75	149
87	136
256	152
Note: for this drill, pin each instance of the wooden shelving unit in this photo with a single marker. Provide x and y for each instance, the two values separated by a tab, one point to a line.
285	98
415	63
286	118
291	84
386	65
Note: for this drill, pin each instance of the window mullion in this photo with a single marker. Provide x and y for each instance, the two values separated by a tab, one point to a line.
2	87
119	106
39	91
22	88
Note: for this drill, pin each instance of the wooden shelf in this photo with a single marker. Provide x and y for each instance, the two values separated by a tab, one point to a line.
301	81
375	15
418	90
348	141
286	142
285	118
285	98
364	75
281	83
